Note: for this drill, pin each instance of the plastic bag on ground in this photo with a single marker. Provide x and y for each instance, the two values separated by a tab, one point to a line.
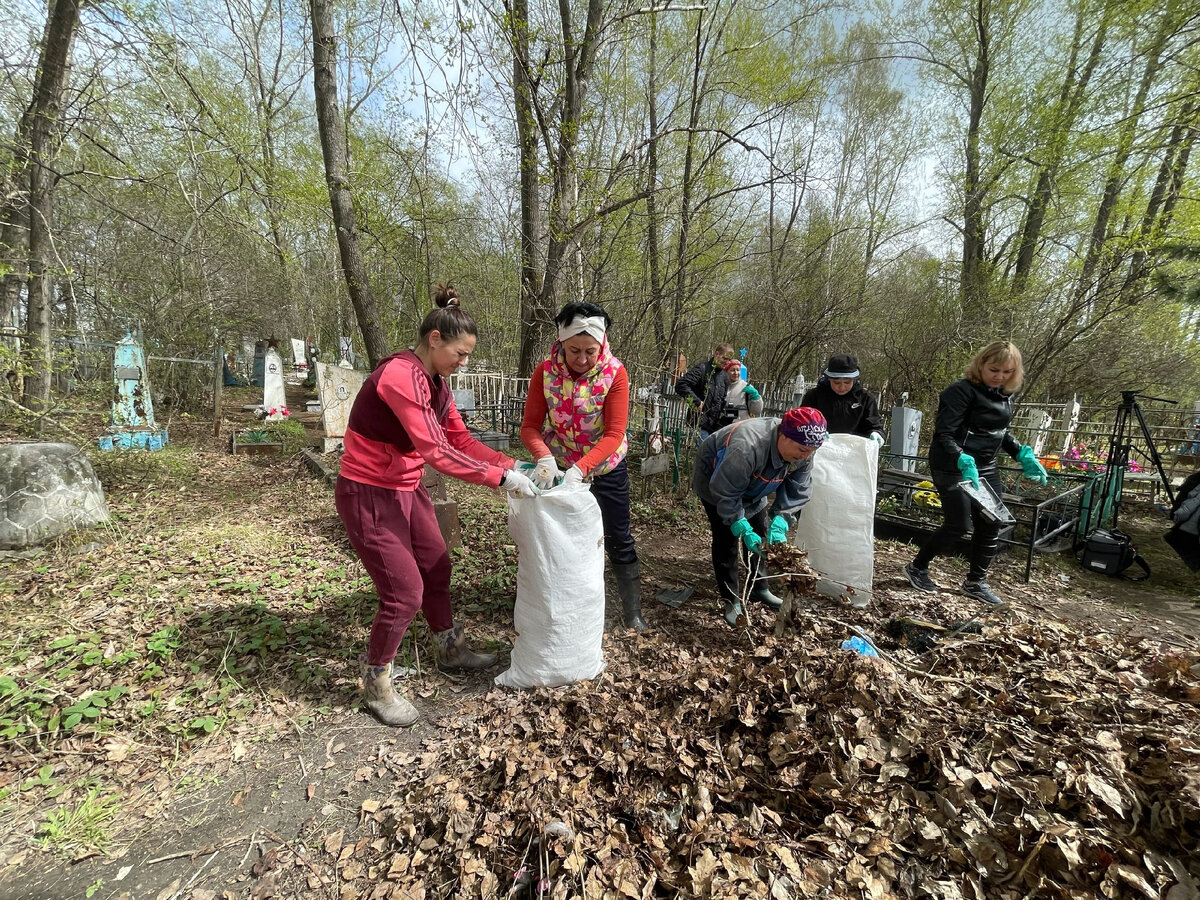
837	526
559	612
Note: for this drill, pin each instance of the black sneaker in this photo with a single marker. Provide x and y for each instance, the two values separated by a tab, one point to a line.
919	578
980	591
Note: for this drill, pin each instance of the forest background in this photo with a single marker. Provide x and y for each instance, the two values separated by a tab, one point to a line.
905	180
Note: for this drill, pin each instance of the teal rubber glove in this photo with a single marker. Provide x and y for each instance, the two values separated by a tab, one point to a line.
741	529
877	438
752	392
1033	469
966	465
777	533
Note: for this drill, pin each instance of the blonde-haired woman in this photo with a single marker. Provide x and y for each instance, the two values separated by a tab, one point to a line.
970	429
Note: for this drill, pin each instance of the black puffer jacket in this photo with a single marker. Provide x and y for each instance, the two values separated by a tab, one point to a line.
971	418
854	412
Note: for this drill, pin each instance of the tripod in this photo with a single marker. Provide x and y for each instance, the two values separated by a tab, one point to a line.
1121	444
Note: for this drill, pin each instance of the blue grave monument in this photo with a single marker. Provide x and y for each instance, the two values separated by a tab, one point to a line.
133	425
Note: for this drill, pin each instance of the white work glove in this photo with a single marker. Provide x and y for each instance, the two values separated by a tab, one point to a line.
877	438
573	476
516	483
546	473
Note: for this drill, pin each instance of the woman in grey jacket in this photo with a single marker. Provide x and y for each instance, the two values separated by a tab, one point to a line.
737	470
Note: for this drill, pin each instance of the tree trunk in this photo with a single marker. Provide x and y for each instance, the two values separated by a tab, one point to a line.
1070	102
1166	189
1088	284
44	128
333	144
657	310
531	346
974	274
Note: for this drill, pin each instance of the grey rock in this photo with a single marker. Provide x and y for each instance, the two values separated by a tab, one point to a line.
46	490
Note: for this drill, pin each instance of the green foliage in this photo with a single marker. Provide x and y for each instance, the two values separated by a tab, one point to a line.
83	826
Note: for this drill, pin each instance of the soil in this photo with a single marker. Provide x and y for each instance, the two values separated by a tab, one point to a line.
234	812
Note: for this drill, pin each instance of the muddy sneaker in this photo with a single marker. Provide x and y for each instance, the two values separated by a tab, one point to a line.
919	578
980	591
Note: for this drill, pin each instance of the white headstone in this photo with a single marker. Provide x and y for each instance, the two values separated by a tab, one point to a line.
297	351
274	397
1041	421
337	387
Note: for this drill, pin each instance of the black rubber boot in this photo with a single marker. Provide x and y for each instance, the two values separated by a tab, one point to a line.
629	586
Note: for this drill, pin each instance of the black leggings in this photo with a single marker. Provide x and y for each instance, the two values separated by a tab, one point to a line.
960	514
612	494
726	549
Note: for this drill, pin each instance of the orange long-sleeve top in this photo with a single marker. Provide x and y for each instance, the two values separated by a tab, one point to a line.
616	419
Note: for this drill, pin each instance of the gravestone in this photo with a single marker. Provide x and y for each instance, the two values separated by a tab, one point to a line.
337	387
258	374
46	490
298	358
133	424
1041	422
346	350
274	397
444	508
906	435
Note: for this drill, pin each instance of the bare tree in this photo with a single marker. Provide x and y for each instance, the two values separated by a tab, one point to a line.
333	149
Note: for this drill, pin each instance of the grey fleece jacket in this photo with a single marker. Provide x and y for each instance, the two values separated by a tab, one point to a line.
739	467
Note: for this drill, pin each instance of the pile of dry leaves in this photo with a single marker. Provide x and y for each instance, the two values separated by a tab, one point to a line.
1033	760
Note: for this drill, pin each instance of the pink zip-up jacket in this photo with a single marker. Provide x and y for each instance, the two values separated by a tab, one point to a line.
403	418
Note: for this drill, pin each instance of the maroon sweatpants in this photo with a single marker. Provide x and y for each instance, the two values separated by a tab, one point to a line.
396	535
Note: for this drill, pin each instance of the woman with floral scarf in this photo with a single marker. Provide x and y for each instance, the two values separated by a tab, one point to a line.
576	413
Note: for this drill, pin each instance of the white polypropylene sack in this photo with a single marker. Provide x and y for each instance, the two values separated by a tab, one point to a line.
559	613
837	526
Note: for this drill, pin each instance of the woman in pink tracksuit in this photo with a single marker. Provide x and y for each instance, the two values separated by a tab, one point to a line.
404	417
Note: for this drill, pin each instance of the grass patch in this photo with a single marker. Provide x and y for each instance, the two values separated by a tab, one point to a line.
82	826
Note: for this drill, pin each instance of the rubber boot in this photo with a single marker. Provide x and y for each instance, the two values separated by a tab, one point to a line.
733	612
759	591
381	697
453	652
629	586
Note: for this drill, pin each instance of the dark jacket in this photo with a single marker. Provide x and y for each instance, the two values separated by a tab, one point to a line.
854	412
693	385
971	418
712	413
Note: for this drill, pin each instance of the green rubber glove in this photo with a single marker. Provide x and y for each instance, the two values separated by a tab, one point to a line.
777	533
741	529
1033	469
752	392
966	465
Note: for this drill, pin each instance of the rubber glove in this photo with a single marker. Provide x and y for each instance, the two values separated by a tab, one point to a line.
741	529
966	465
877	438
516	483
573	476
546	473
1033	469
777	533
752	392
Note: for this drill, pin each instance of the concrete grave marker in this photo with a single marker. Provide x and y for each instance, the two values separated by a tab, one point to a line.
346	350
298	358
274	397
337	387
133	424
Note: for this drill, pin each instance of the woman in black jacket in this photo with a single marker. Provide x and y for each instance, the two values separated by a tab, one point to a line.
845	403
970	429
